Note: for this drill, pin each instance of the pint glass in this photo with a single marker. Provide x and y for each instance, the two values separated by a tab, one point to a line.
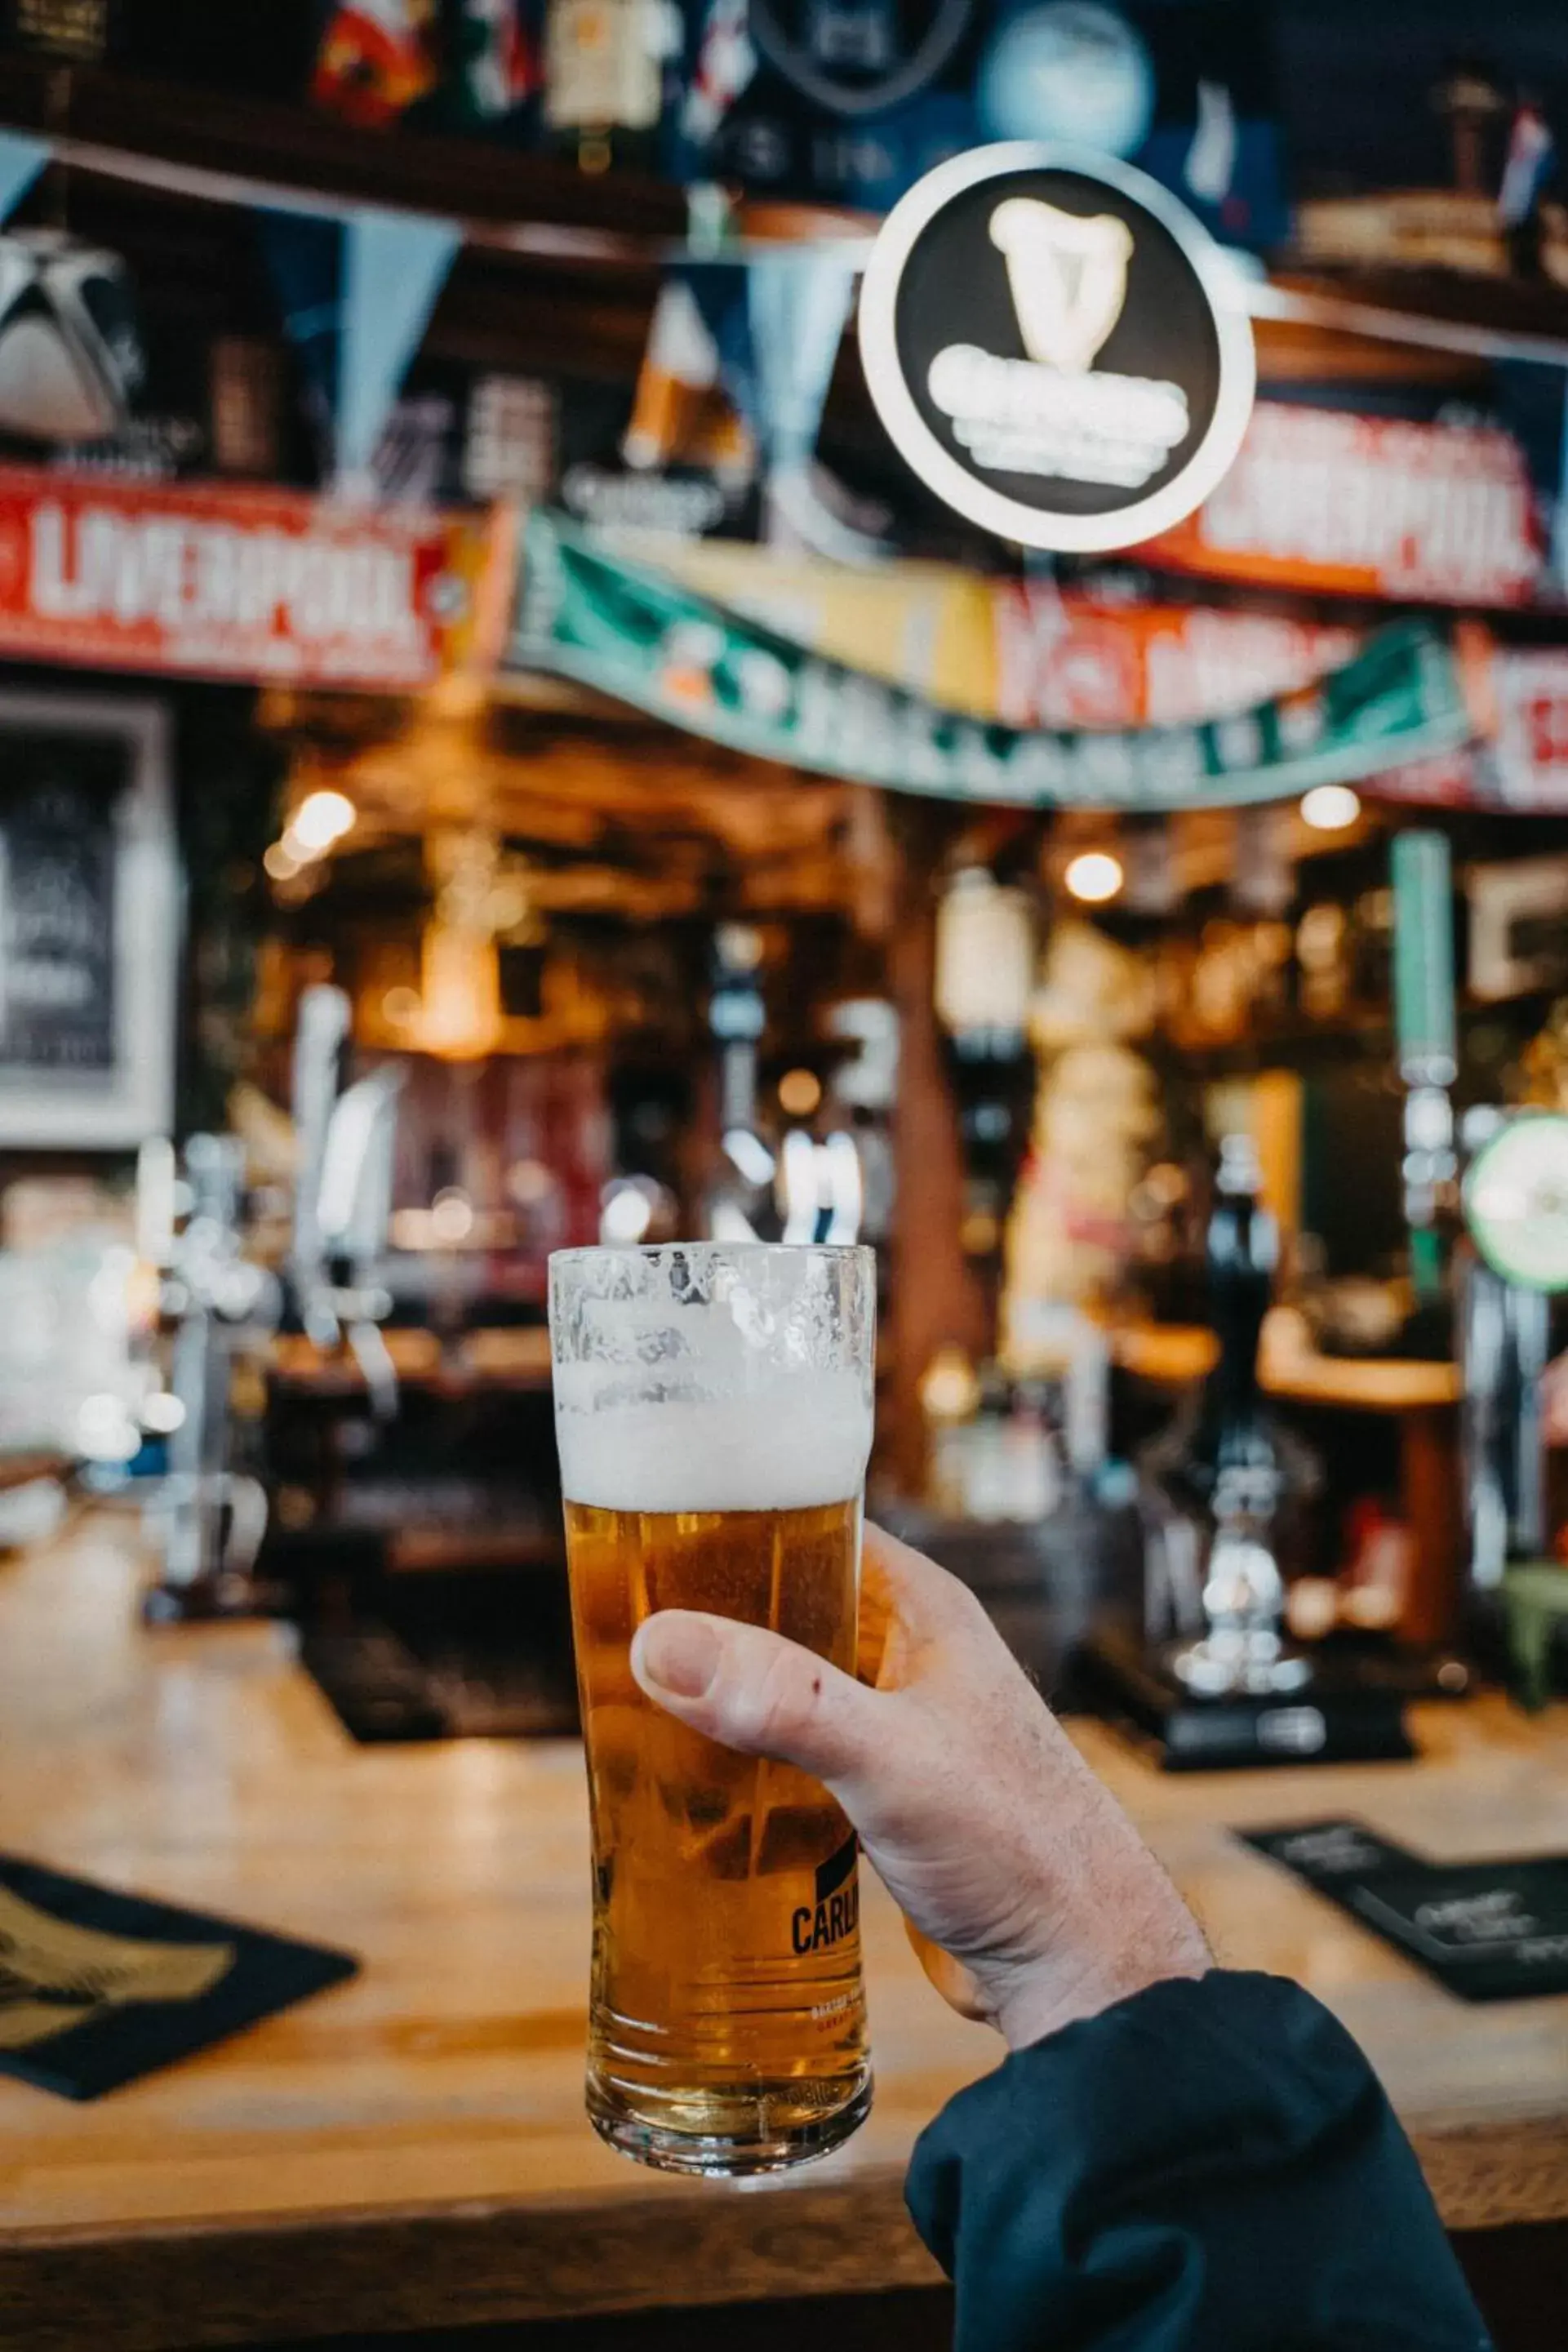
714	1415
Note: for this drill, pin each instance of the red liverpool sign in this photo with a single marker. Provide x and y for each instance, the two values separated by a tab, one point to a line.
1367	506
200	580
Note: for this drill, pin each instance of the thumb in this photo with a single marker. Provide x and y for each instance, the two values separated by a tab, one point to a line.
753	1690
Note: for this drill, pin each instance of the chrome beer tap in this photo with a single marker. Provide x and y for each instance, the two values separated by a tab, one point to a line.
211	1518
343	1194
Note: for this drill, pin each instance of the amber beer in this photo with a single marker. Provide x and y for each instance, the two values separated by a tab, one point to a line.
728	2029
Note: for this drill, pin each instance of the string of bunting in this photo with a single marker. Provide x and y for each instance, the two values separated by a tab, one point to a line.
634	632
357	282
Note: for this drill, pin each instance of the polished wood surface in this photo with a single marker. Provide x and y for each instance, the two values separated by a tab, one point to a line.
411	2149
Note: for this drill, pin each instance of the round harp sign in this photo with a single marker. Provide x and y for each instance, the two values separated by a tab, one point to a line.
1057	348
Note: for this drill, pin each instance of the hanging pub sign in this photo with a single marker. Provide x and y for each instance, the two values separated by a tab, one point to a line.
236	583
1322	500
1056	347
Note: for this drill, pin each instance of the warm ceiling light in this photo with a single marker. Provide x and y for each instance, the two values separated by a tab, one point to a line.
321	819
1329	808
626	1217
800	1092
451	1217
1093	876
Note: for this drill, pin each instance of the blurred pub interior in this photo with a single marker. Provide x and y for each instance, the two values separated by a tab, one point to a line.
357	950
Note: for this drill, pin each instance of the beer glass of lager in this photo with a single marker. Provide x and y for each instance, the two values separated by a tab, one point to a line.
714	1415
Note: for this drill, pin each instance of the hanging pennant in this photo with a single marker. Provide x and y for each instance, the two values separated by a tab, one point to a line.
682	413
796	307
394	265
21	161
377	57
304	259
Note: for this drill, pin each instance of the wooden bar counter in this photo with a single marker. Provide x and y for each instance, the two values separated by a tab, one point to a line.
410	2151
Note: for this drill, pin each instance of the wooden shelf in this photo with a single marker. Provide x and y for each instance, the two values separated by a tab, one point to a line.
312	153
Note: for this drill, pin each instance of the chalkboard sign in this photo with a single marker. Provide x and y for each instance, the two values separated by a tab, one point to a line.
89	922
57	902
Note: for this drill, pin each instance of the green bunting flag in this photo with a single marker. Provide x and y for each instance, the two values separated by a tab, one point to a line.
627	630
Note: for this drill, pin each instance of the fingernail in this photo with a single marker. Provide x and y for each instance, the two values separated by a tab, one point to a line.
676	1652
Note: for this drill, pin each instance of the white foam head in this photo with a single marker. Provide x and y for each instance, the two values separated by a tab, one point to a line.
798	1440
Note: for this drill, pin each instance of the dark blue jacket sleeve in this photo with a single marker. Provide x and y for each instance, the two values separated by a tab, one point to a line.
1208	2166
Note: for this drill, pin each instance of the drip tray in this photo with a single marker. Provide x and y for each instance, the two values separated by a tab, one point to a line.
382	1689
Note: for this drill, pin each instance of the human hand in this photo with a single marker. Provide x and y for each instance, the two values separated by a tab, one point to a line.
985	1826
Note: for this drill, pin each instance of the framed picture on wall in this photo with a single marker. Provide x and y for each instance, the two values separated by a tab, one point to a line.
91	905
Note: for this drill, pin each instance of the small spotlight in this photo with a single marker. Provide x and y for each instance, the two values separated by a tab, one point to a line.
321	819
800	1092
531	1183
163	1414
105	1430
451	1218
280	862
1329	808
626	1217
401	1007
750	1154
1093	876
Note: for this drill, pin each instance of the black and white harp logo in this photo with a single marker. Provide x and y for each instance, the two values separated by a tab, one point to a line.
1056	347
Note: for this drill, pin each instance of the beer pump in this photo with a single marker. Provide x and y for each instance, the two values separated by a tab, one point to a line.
1213	1680
342	1202
211	1516
1234	1465
1515	1201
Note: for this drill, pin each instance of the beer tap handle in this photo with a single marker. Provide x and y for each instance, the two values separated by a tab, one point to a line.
353	1216
324	1017
366	1345
354	1200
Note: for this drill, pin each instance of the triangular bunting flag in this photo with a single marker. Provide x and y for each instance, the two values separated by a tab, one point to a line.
394	265
21	161
797	306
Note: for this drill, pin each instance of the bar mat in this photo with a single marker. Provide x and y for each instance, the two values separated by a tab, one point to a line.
99	1989
1486	1930
382	1689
